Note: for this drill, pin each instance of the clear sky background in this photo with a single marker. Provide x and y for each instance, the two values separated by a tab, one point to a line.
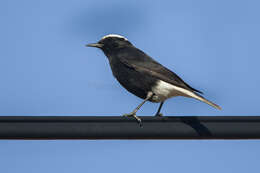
45	69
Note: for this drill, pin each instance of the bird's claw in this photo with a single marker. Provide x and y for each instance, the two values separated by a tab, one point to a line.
132	114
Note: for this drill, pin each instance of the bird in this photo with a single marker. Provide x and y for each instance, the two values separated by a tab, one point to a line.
143	76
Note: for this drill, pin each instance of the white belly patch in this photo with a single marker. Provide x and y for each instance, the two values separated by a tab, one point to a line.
164	90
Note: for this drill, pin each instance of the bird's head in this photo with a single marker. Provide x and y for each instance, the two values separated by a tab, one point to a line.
111	43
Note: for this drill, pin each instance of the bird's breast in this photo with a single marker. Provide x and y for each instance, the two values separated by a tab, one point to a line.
135	82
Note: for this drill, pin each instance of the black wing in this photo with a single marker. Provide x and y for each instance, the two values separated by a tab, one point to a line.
139	61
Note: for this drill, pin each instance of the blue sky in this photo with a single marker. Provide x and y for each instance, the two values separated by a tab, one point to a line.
45	69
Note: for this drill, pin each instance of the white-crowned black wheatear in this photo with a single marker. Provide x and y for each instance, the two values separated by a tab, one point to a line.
143	76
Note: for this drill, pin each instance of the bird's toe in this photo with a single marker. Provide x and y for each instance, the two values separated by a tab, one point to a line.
129	115
159	115
133	114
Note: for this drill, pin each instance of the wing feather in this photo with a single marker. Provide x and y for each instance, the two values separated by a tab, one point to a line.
143	63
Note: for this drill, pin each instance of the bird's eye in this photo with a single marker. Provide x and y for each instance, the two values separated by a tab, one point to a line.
115	44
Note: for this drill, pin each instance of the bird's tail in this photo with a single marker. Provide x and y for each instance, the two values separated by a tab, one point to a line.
199	97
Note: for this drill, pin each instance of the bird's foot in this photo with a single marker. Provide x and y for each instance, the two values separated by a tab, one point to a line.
133	114
159	115
128	115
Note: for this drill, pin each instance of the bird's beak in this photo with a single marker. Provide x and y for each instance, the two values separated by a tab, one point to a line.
98	45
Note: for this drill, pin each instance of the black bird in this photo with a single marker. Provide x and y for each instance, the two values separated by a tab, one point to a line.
143	76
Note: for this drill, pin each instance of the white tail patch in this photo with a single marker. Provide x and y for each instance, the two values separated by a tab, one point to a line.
113	35
164	90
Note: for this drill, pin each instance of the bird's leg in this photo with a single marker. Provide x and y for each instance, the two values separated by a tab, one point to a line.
158	112
133	113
